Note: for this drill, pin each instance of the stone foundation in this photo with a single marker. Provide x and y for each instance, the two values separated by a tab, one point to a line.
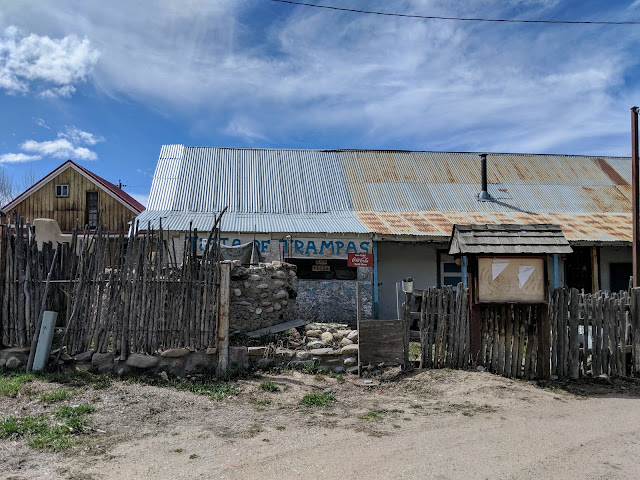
262	296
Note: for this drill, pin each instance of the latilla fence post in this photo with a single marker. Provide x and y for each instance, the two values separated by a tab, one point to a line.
223	317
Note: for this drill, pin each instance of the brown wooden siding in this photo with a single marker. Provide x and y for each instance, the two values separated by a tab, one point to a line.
43	203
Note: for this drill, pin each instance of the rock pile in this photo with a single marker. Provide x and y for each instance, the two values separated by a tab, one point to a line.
330	346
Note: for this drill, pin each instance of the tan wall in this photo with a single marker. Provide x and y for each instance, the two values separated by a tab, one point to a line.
65	210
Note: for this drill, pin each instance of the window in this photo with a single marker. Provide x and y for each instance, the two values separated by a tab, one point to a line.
62	190
92	210
324	269
450	271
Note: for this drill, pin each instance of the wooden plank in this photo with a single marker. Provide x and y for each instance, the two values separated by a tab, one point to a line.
509	324
502	339
496	338
635	324
281	327
542	350
381	341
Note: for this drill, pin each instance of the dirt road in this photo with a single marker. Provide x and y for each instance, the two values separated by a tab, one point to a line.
432	424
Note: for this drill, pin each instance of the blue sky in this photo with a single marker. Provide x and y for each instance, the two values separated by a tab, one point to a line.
107	83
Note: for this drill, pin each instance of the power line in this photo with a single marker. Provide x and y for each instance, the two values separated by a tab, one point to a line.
462	19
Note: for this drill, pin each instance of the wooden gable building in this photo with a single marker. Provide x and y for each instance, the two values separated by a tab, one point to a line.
73	195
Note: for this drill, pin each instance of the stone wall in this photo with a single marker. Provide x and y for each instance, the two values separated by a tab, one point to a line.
262	295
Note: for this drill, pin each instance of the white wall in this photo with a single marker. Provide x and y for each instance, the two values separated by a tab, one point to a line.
398	260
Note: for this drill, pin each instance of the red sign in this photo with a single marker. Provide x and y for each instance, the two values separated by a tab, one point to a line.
360	259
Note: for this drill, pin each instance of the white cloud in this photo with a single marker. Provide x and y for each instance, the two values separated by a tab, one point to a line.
60	148
25	60
80	137
242	129
41	123
64	92
18	158
297	73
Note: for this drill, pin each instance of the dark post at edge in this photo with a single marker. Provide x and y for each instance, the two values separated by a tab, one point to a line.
634	195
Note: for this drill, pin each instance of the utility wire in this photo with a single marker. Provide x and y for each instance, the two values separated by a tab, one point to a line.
434	17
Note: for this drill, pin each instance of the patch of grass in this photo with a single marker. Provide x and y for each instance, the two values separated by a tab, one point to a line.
318	399
178	450
254	430
52	433
280	427
314	368
193	456
79	378
319	377
396	426
371	415
269	386
11	384
54	396
415	351
338	376
415	406
265	440
397	410
263	402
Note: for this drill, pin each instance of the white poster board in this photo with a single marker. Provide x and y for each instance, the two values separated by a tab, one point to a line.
511	279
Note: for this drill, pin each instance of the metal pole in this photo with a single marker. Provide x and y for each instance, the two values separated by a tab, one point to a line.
635	200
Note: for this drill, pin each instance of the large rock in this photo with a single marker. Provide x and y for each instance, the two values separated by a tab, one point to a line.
13	363
303	355
100	358
175	352
321	352
196	362
345	341
84	356
314	333
349	350
350	361
353	336
281	295
139	360
315	344
326	338
239	356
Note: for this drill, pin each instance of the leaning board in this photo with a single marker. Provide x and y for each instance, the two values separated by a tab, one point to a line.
381	341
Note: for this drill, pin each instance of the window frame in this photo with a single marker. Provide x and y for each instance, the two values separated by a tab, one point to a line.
62	187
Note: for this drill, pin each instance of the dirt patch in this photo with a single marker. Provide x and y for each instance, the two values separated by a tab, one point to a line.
429	424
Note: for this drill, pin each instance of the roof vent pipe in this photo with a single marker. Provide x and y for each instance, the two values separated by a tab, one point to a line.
484	194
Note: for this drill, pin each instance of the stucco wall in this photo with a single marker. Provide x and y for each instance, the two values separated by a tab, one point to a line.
609	255
398	260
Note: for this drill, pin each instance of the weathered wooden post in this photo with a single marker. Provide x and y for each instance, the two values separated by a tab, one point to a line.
223	316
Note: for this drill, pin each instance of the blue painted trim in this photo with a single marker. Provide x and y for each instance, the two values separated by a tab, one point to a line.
556	272
463	272
376	309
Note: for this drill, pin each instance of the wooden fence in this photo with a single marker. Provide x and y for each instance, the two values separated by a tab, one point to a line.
444	326
593	334
23	270
587	334
142	300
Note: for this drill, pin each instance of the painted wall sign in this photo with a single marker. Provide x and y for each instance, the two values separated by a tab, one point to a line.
275	248
360	260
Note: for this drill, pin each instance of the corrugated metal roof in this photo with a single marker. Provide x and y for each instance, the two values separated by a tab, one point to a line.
576	227
343	222
390	192
510	239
